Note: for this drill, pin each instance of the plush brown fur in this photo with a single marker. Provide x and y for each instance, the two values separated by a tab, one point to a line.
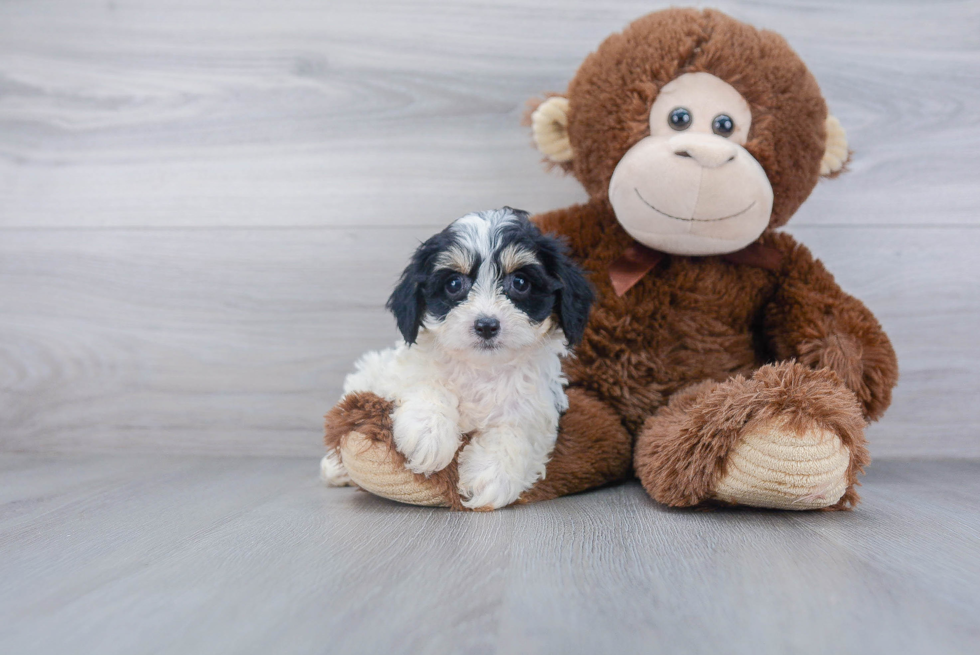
695	318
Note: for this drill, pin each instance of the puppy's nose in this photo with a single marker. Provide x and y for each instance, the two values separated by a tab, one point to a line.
487	327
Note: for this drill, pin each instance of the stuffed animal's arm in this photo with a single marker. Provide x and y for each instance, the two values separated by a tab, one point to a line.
811	319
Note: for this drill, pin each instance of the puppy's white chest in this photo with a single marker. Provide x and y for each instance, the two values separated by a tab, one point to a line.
486	405
518	396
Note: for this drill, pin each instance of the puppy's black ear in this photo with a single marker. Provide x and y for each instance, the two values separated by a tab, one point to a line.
408	304
407	301
575	301
574	293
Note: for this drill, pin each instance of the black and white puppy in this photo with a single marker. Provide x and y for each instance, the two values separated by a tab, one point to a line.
487	308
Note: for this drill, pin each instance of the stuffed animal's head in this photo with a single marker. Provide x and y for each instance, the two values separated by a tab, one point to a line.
701	131
489	285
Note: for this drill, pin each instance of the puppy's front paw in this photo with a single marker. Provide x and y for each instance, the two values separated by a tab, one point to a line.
426	435
332	471
485	487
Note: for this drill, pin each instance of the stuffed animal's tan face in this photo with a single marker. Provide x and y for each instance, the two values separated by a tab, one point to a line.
691	188
700	131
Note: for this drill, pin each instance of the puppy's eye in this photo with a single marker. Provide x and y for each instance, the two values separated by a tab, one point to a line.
519	285
456	286
723	125
679	119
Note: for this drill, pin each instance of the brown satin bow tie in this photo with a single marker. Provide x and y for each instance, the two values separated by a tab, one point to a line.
638	260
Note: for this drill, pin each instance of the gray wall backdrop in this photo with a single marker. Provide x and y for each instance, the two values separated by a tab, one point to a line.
204	206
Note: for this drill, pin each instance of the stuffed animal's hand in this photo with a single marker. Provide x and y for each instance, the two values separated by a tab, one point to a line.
812	320
425	428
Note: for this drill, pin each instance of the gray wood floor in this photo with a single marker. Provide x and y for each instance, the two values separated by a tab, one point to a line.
170	554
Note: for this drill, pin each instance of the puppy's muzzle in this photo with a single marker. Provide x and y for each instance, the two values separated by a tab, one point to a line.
486	327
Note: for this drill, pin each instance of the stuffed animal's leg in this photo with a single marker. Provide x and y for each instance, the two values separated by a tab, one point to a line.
359	428
789	437
593	449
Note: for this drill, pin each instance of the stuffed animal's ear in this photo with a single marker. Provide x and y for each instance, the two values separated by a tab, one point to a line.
835	153
407	302
550	124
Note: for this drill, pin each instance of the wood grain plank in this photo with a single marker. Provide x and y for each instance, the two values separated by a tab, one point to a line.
145	113
253	555
237	341
255	329
938	539
694	581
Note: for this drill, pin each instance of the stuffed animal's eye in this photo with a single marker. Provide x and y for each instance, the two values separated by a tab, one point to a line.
679	119
456	286
520	285
723	125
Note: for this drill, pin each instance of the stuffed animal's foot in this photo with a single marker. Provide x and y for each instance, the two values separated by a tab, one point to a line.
359	428
789	438
332	471
373	468
776	465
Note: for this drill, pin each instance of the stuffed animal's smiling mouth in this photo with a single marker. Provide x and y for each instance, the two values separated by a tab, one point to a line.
695	220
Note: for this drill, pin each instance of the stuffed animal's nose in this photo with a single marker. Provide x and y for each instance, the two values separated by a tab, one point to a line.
486	327
708	150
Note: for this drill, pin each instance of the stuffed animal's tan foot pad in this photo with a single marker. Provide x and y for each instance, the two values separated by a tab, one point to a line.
372	467
778	467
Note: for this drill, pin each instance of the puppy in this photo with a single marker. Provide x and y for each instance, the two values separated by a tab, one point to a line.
487	308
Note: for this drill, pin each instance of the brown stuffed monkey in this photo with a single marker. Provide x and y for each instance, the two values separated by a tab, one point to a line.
721	363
